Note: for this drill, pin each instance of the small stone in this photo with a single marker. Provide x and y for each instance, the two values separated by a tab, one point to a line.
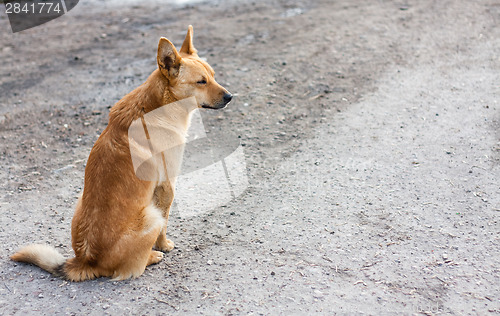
318	294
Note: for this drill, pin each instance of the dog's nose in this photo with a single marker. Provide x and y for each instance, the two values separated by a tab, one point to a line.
228	97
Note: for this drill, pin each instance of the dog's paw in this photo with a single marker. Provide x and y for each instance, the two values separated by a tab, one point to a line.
155	257
164	245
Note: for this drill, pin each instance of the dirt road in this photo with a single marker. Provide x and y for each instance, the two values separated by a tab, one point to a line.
371	134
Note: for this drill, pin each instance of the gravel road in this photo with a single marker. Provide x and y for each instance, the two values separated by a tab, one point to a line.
371	139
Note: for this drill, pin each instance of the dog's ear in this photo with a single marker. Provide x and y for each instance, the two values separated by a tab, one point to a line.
169	60
187	46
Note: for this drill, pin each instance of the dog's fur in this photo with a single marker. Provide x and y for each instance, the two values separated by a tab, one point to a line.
120	218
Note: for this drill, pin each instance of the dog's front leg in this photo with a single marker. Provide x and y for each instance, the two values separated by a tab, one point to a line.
163	198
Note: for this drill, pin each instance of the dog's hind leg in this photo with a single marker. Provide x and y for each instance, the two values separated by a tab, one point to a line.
154	257
133	252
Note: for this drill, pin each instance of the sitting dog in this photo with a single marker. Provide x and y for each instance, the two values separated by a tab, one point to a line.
121	217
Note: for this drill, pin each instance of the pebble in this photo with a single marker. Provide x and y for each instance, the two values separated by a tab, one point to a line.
318	294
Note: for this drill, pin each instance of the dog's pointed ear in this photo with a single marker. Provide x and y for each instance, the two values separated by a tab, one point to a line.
169	60
187	46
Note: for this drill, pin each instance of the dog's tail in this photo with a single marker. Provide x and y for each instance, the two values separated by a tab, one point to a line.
49	259
44	256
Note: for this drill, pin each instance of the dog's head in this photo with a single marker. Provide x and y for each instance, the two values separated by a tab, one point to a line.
188	75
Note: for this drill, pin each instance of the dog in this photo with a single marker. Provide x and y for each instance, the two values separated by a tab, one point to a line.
120	222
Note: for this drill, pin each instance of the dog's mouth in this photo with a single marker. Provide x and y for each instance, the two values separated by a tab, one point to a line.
217	107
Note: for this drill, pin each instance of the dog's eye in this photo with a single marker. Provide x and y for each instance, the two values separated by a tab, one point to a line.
202	81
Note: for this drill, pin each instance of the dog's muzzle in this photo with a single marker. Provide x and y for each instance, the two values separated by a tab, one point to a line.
225	100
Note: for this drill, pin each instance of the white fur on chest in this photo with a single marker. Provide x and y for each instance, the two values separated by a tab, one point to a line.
157	140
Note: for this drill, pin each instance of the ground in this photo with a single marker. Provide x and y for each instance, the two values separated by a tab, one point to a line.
371	134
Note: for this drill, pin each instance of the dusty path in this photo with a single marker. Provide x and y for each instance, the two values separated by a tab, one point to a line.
371	136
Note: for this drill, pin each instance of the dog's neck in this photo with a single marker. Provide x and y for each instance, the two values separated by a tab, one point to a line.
151	95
